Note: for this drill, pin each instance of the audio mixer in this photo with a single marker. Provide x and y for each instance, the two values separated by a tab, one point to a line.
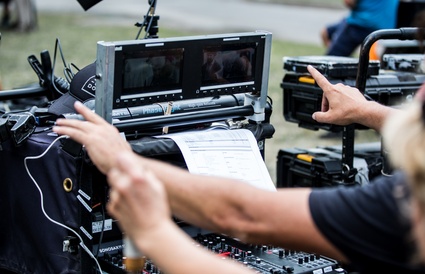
260	258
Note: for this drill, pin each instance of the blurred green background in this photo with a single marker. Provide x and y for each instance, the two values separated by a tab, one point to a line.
78	35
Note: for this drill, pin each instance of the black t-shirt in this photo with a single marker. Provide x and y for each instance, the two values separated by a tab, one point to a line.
368	224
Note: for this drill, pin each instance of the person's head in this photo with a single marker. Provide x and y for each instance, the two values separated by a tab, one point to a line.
404	138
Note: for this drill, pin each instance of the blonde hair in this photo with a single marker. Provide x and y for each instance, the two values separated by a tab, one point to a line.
404	138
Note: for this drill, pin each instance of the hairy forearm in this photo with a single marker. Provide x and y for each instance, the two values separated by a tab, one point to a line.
204	201
239	210
373	115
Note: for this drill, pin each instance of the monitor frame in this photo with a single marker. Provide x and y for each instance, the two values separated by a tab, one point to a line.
187	56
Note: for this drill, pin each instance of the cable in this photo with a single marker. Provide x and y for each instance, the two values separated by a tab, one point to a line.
64	83
152	6
42	201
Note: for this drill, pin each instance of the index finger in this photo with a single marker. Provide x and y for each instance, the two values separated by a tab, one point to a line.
88	114
321	80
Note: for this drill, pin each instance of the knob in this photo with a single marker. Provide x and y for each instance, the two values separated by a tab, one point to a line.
288	268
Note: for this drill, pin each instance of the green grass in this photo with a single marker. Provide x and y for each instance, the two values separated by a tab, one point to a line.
78	36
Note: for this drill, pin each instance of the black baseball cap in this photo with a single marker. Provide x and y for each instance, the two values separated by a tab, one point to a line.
82	88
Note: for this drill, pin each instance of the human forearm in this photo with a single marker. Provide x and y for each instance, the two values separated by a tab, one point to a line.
200	200
156	246
373	115
242	211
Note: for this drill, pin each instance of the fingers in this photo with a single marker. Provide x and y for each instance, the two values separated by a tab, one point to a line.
88	114
81	130
321	80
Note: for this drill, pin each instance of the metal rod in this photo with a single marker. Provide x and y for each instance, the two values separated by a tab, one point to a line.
183	118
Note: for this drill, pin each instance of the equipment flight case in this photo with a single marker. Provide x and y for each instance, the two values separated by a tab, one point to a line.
322	166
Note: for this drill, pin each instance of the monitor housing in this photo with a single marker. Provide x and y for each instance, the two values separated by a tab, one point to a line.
144	72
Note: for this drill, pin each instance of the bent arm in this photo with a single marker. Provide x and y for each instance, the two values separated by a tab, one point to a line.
237	209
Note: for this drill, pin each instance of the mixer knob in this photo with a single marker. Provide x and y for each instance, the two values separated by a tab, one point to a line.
280	253
288	268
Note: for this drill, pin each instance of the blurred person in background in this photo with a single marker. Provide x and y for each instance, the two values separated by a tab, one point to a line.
365	17
5	18
19	15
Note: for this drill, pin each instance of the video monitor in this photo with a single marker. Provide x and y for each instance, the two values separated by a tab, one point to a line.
228	64
142	72
151	71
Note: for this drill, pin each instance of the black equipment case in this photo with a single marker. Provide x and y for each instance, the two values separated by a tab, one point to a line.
330	66
322	166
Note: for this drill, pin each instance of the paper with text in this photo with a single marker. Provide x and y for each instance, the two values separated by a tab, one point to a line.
226	153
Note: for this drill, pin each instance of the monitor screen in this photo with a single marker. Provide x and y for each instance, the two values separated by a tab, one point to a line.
152	70
226	65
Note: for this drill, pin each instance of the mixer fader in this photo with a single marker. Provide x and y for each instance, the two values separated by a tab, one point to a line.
263	259
268	259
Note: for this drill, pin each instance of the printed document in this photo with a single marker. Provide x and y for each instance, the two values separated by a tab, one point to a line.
226	153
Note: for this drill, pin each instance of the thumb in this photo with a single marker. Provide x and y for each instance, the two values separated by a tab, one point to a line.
321	117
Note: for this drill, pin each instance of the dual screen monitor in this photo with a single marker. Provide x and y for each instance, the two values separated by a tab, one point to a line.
142	72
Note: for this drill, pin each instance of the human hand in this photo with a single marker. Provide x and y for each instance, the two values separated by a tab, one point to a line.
341	104
101	140
351	4
137	198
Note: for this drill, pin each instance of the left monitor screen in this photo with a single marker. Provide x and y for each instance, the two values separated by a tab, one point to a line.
152	70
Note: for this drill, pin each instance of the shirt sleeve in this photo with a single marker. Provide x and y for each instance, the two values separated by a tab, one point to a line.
368	224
